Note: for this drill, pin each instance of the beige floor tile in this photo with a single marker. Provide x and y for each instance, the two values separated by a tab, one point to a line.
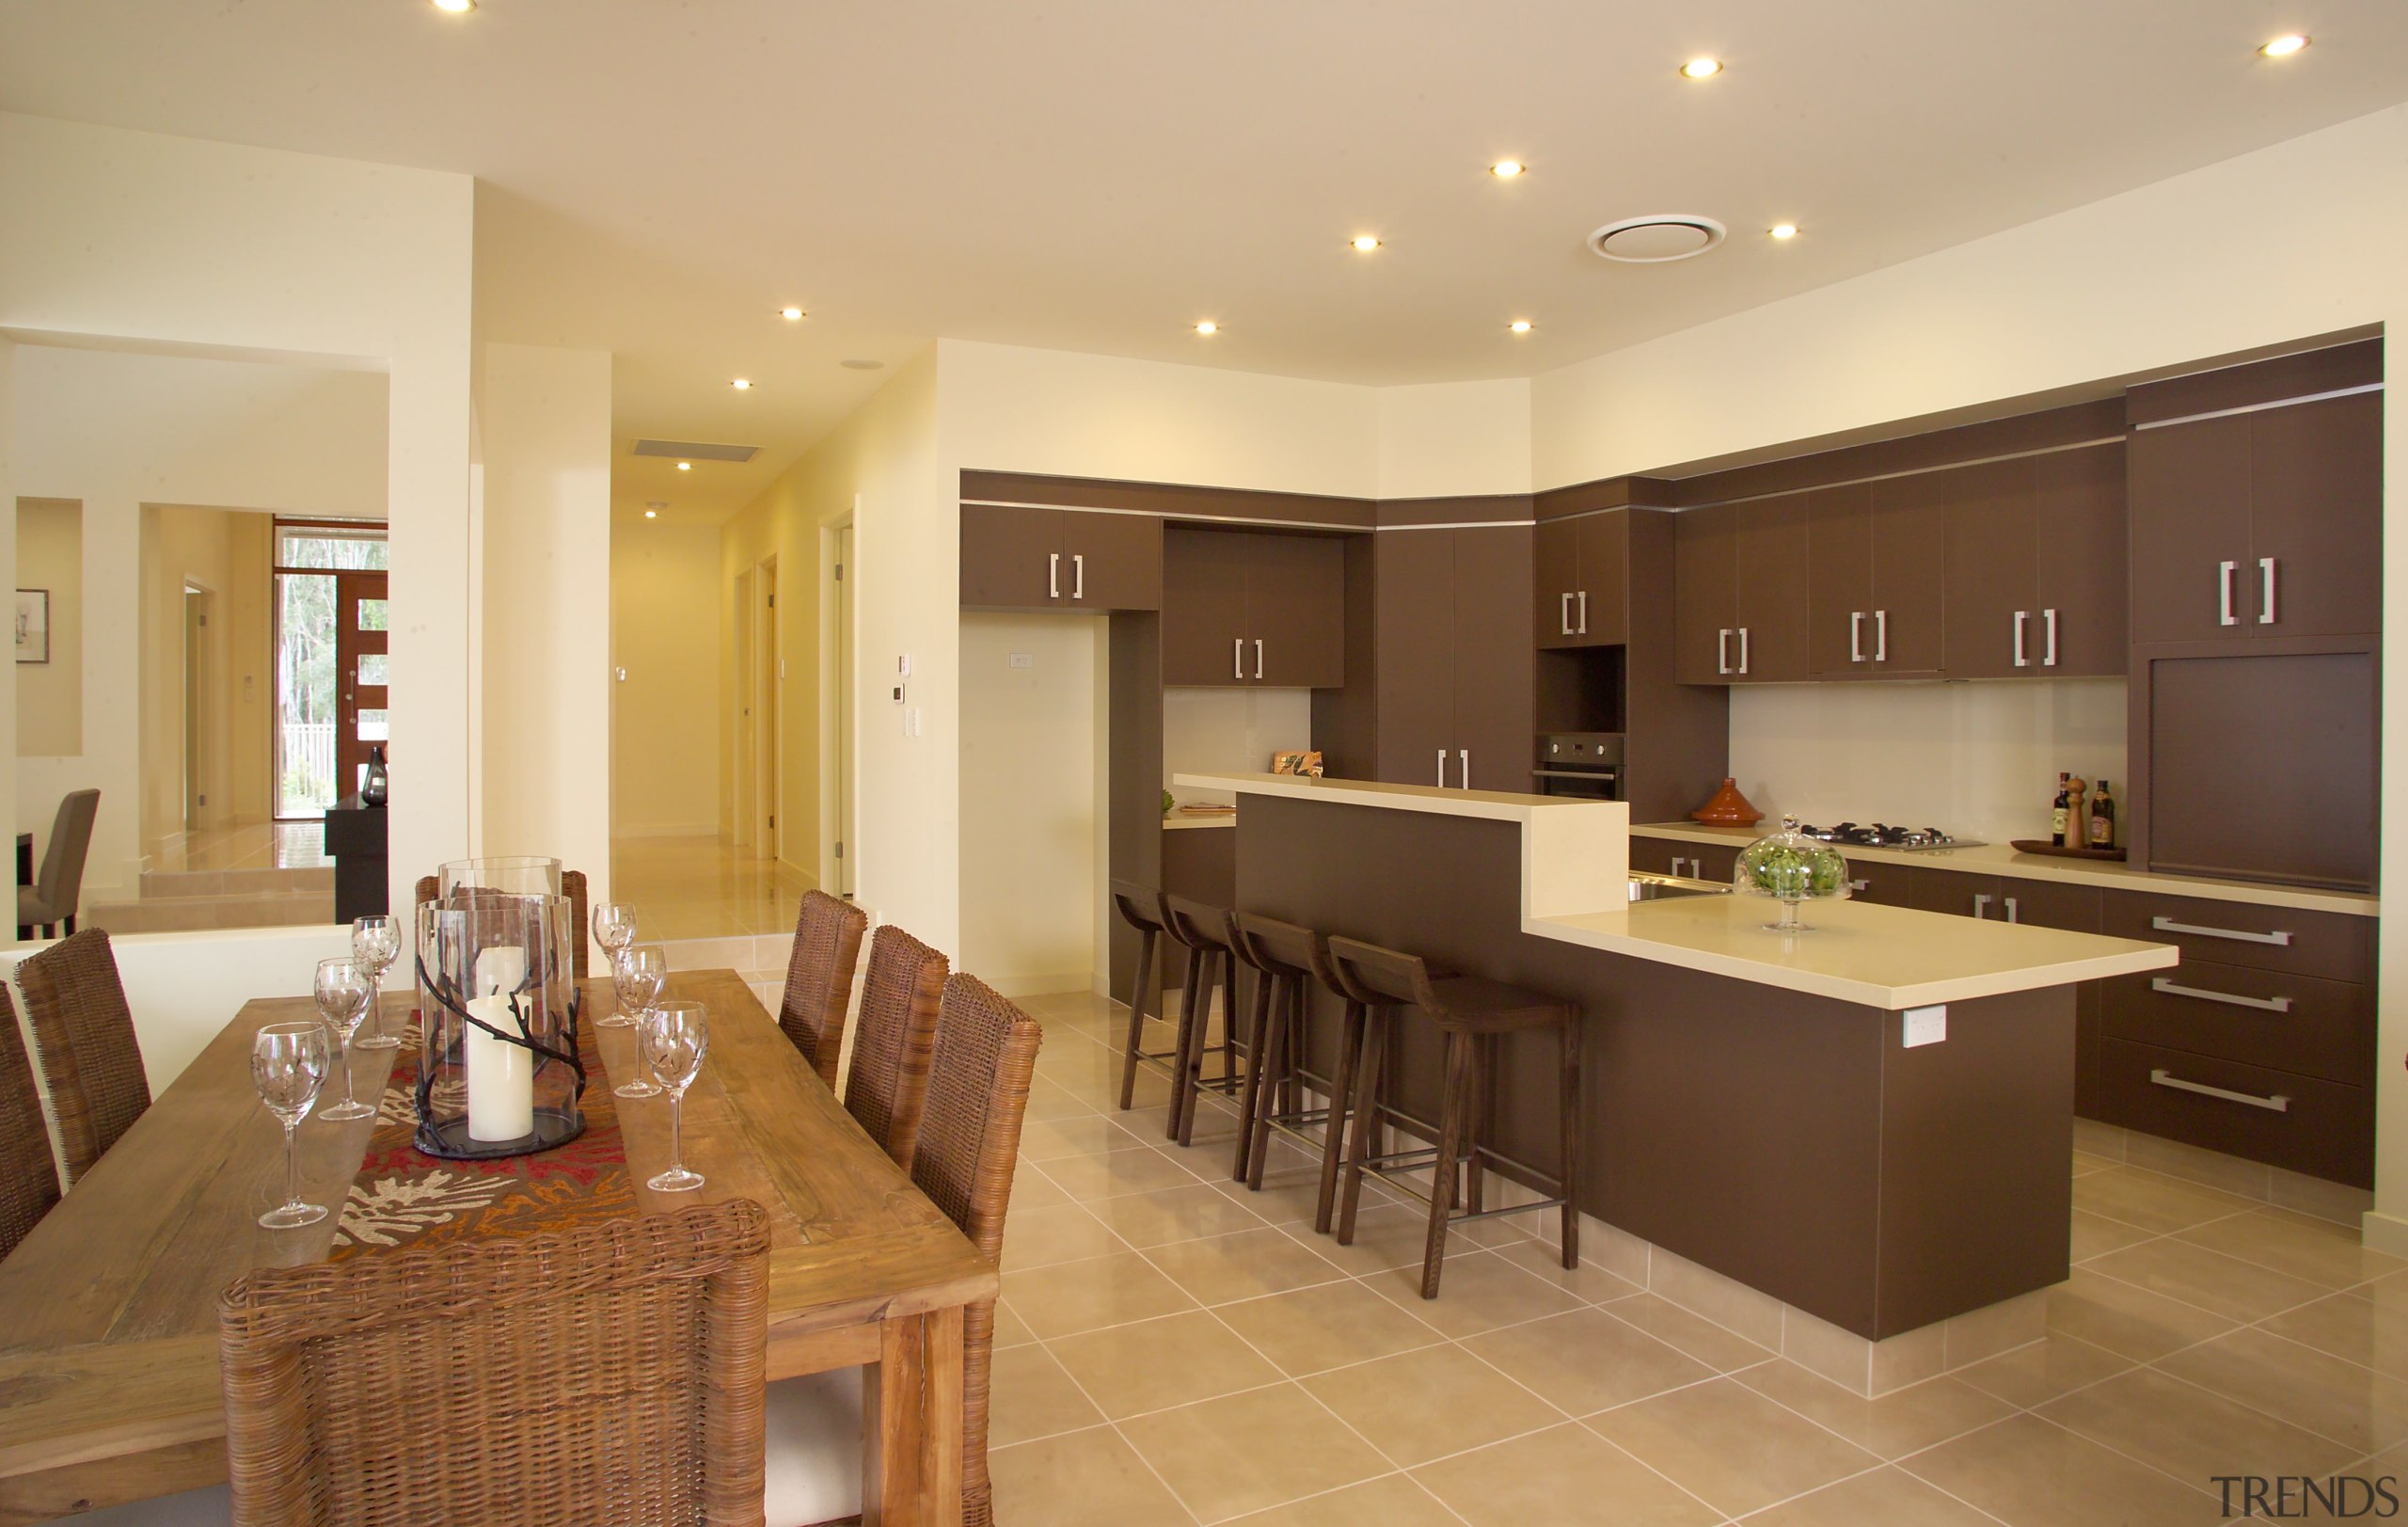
1479	1292
1039	1237
1881	1496
1046	1139
2041	1371
1050	1100
1386	1235
1899	1423
2127	1319
1391	1501
2084	1163
2096	1235
1173	1214
1245	1266
1109	1173
1419	1407
1088	1296
1590	1280
1084	1479
1566	1476
1730	1447
1587	1360
1156	1365
2298	1245
2031	1474
1721	1350
1033	1190
1034	1398
2373	1332
2298	1384
1291	1198
1245	1452
2152	1202
2191	1433
1310	1329
2232	1288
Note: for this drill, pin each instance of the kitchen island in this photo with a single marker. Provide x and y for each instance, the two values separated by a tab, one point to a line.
1755	1104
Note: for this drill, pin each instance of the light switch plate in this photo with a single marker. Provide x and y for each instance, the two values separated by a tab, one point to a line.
1925	1025
1021	660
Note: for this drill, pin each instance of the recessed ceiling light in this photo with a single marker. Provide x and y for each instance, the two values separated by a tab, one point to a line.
742	384
1783	230
1506	169
861	364
685	466
792	315
1365	242
1520	325
457	7
2283	47
651	514
1702	68
1208	326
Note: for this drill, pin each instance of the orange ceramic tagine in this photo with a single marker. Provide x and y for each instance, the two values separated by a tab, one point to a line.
1728	808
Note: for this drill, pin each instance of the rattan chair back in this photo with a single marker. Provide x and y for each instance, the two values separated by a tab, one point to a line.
609	1374
894	1040
819	979
28	1175
84	1039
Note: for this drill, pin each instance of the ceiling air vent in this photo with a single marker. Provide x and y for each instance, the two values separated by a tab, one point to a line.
696	451
1656	238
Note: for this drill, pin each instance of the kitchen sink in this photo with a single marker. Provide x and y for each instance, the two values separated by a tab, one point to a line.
1648	886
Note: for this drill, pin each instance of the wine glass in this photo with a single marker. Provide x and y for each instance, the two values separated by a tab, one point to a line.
341	991
288	1066
673	1036
377	943
615	929
638	975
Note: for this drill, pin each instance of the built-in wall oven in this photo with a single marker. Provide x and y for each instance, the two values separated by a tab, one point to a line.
1584	764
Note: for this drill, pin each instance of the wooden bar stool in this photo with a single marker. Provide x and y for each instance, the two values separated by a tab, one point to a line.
1204	932
1141	908
1472	1012
1287	960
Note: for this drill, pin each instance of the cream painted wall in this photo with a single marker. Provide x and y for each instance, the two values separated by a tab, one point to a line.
664	718
1455	438
543	427
1224	731
50	695
2138	282
226	552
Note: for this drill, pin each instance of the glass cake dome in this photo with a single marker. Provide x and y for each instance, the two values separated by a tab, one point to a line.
1793	869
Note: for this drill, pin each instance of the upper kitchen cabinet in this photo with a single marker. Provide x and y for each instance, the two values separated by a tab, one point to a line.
1455	703
2258	513
1250	608
1742	577
1581	572
1024	557
1876	556
2035	575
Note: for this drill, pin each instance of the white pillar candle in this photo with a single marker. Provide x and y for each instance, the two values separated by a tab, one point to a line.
502	1075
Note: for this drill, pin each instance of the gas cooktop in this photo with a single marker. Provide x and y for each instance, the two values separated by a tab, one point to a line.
1883	836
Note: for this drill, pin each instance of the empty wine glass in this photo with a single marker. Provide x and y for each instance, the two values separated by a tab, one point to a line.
674	1037
638	974
288	1066
341	991
377	943
615	929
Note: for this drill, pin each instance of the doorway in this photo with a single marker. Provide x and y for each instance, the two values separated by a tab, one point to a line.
332	660
768	671
199	687
843	646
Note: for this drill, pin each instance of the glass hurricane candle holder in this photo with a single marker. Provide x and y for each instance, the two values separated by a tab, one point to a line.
500	1072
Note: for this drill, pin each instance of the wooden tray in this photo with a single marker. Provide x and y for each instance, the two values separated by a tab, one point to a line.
2032	844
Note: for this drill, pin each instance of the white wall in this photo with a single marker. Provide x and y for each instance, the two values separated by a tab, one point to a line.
1455	438
50	695
665	716
1229	731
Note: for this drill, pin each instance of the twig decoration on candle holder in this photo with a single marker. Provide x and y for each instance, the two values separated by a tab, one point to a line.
499	1075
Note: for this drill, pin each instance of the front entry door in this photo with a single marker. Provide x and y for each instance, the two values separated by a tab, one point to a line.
361	716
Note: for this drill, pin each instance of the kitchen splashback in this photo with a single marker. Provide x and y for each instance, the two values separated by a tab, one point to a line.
1977	760
1230	731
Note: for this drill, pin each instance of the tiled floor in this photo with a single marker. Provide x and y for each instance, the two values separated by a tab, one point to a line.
283	845
698	888
1175	1349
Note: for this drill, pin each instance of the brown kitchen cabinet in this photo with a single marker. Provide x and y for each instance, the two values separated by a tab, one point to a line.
1022	557
1678	856
1580	575
1742	579
1244	608
1876	559
2034	580
1456	704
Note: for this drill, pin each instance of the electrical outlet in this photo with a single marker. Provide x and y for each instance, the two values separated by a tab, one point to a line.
1925	1025
1021	660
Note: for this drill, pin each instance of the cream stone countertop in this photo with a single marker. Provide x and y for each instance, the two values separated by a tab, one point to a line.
1998	859
1175	823
1575	888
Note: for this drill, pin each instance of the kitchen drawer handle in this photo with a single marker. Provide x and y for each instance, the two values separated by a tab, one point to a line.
1856	636
1463	769
1442	769
1981	907
2011	913
1859	885
2264	1004
2167	925
2277	1104
2022	617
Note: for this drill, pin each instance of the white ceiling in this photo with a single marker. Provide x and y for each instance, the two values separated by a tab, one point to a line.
660	176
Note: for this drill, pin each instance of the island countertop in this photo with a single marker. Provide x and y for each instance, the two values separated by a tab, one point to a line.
1575	889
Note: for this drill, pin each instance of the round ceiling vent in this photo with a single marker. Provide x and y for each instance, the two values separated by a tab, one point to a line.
1657	237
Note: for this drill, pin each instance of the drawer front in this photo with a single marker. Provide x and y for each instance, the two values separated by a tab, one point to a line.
2264	1017
2319	1128
1653	855
1954	893
2331	945
2048	903
1888	885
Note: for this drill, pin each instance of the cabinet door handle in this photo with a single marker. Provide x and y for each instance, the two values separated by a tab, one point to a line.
2263	1004
2020	660
1566	612
2277	1104
1859	885
1743	649
1442	769
2048	659
1722	650
2266	591
1257	657
1053	575
1856	636
2167	925
1677	862
1981	906
1078	575
2008	903
1880	636
1463	769
1584	609
2224	571
1236	656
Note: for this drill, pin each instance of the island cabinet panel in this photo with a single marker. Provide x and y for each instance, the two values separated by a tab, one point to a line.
1877	555
1241	608
1454	678
2035	568
1580	578
1743	579
1023	557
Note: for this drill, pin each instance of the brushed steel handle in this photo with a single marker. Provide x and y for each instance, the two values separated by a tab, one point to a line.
1981	906
2050	660
1442	769
2277	1104
1078	575
1856	636
2008	903
1722	650
1743	649
2263	1004
1053	575
1566	611
1463	768
1257	657
2167	925
1584	611
1236	656
2020	660
1880	636
2266	591
2224	571
1859	885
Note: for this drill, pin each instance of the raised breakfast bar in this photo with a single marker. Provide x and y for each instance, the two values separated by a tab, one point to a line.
1870	1122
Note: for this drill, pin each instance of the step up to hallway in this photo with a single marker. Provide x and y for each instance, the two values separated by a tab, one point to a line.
760	958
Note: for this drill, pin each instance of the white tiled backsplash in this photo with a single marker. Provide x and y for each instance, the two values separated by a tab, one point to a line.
1229	731
1978	761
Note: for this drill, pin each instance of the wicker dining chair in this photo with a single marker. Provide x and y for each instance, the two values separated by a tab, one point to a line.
28	1175
611	1374
84	1040
894	1039
819	979
572	887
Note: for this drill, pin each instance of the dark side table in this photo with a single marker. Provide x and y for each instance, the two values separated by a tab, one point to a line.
355	840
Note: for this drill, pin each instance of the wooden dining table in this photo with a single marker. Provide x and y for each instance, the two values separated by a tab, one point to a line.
109	1387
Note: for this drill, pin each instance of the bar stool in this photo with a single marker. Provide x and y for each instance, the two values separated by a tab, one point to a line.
1204	932
1285	960
1472	1012
1141	908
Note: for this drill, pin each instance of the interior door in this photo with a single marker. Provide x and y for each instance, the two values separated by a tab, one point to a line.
1295	600
362	716
1496	720
1416	612
845	847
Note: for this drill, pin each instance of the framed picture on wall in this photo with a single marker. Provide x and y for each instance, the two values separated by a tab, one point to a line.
33	624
